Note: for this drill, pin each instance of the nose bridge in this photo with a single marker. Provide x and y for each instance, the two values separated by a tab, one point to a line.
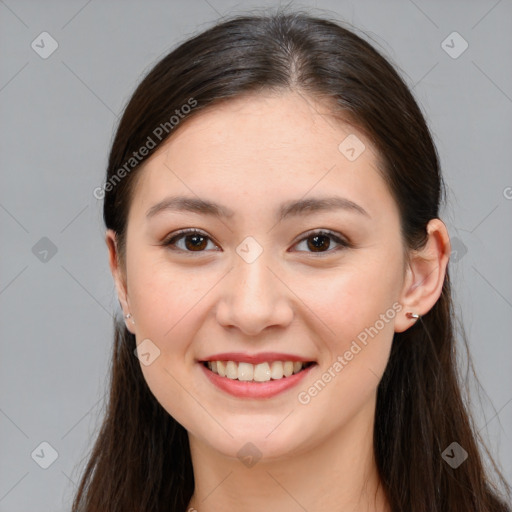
253	276
251	267
254	297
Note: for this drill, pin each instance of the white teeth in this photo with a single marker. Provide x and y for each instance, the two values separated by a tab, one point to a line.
221	368
288	368
276	370
261	372
245	371
231	370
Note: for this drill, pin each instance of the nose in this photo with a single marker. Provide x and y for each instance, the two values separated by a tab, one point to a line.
254	297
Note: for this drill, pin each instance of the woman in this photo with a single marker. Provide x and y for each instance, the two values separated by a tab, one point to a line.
272	211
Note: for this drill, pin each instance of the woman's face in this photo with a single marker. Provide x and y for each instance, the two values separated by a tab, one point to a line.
259	283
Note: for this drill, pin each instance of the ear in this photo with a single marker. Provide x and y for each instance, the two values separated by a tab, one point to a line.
425	275
119	277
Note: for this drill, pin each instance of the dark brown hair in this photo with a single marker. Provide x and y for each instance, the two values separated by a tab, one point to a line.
141	459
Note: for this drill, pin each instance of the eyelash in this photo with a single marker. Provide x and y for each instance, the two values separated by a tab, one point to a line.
345	244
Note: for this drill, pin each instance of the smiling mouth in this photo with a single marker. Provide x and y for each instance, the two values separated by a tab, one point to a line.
262	372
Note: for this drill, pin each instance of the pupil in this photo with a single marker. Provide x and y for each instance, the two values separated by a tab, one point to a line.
317	245
195	239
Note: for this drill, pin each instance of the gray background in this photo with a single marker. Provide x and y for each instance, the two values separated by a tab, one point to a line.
58	115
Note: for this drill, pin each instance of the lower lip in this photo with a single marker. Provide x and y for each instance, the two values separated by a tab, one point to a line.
248	389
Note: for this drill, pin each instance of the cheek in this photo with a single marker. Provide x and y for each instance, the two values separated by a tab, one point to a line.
355	346
161	294
350	298
355	308
166	305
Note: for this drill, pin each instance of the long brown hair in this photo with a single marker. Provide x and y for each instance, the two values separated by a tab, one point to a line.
141	459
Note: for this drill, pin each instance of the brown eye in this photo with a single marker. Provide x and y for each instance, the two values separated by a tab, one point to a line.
318	242
193	241
321	241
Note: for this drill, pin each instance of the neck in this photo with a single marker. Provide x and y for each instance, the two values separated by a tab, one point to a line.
338	474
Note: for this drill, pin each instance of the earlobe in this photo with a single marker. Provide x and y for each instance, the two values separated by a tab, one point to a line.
425	275
119	278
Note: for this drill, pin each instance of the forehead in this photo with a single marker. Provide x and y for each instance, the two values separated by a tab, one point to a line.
285	126
265	148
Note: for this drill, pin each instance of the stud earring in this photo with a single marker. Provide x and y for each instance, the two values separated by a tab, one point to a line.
128	316
414	316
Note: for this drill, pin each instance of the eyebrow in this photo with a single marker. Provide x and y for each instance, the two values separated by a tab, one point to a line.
288	209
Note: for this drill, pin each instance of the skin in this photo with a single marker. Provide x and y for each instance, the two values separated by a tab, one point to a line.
251	154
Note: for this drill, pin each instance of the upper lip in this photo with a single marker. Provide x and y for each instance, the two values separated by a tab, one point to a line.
256	358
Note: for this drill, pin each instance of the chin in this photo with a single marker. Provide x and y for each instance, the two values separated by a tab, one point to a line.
258	440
